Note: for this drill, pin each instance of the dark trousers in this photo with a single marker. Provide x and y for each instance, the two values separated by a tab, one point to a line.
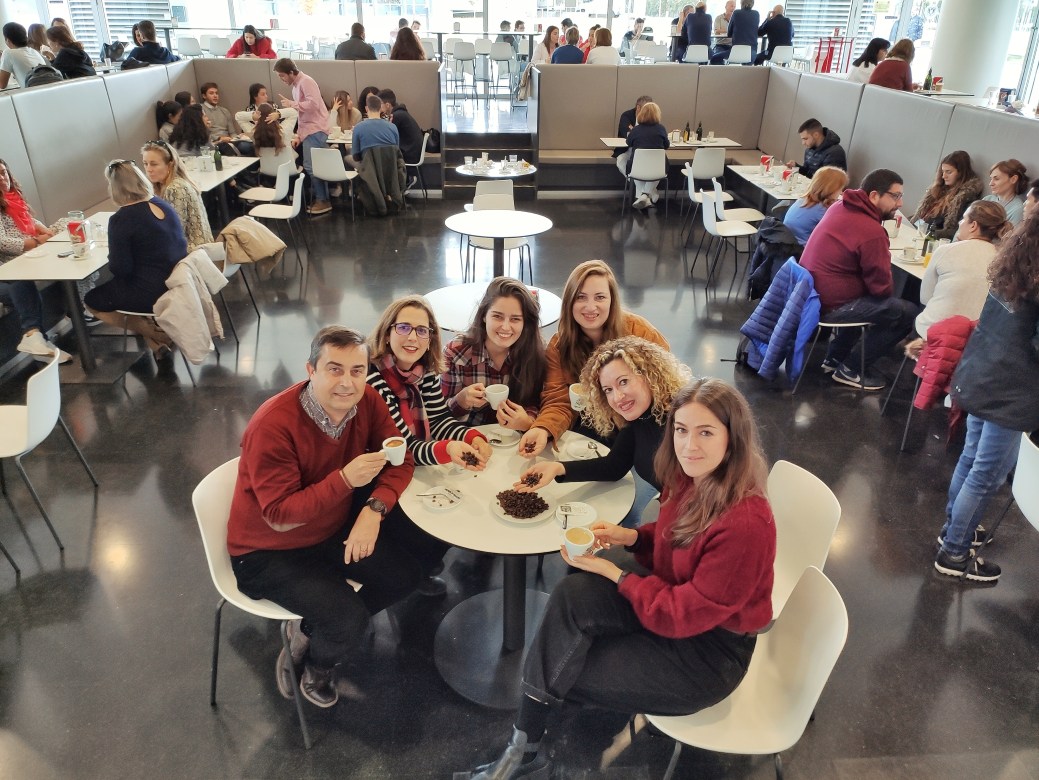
592	649
311	581
25	297
892	320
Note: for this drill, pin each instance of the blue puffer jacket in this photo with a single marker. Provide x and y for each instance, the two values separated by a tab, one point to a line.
782	324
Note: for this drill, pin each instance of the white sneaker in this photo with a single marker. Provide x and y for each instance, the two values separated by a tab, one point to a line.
36	345
641	202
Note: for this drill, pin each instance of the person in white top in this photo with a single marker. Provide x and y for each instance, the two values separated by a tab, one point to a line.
18	58
604	52
257	97
860	70
543	51
956	280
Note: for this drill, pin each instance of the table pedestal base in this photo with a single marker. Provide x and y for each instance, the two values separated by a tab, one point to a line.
469	654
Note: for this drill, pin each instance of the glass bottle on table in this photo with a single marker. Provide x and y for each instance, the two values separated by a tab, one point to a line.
685	133
699	131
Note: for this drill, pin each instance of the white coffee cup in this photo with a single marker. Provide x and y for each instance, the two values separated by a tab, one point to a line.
891	226
495	394
578	397
909	254
80	249
578	541
710	135
394	449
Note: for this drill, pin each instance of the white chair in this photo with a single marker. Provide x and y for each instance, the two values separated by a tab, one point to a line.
494	187
278	192
1026	480
807	513
449	48
503	58
288	213
697	53
707	164
770	708
203	41
429	45
271	161
740	55
150	315
417	166
838	326
218	46
495	203
782	55
482	66
464	60
212	502
328	166
739	214
23	428
188	47
644	50
646	165
728	231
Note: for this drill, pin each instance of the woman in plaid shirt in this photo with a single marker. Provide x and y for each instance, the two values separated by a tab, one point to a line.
502	346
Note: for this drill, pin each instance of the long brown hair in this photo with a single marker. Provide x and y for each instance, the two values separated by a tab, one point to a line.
573	345
268	134
742	472
379	340
15	187
527	355
547	40
960	161
1014	273
344	119
407	46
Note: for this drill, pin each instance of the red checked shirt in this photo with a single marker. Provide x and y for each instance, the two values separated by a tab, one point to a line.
466	366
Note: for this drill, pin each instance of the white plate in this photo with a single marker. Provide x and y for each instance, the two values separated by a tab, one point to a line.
37	252
578	513
917	261
502	437
579	450
539	518
440	499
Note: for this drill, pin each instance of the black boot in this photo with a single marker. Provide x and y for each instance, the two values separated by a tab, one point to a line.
510	763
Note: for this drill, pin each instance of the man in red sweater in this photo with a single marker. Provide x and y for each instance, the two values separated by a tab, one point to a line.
314	505
849	258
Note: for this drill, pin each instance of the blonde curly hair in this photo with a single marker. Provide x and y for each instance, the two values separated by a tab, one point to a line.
661	370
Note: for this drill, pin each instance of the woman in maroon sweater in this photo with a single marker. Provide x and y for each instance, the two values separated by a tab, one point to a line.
680	638
894	72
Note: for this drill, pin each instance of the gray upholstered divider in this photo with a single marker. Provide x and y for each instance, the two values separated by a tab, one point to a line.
990	136
14	153
778	110
672	87
416	84
729	101
234	78
68	163
182	78
577	106
330	75
834	102
128	95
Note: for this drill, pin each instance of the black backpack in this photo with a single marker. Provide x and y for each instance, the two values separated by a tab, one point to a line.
43	74
433	144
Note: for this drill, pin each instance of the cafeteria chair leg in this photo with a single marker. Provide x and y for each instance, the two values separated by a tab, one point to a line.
79	452
10	560
249	289
894	382
909	417
230	319
36	498
215	664
808	357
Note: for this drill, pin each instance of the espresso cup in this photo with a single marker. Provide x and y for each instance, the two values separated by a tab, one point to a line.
909	254
578	541
394	449
578	397
495	394
891	226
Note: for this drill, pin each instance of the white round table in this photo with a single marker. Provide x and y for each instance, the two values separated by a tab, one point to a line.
498	225
468	652
497	171
455	305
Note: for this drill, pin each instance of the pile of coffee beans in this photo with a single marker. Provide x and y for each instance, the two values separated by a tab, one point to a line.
530	480
521	505
469	459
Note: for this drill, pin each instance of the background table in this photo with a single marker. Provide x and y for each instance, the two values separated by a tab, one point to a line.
750	174
903	240
216	180
99	219
499	225
621	143
496	171
468	652
455	305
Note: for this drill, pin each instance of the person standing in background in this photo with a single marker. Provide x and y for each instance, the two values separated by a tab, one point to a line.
313	125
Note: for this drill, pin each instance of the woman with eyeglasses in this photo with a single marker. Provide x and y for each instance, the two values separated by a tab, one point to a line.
191	132
145	241
166	173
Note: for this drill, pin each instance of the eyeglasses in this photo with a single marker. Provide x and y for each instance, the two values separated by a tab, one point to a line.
895	195
405	328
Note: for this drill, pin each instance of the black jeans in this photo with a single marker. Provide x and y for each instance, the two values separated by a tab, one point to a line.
592	649
892	320
311	581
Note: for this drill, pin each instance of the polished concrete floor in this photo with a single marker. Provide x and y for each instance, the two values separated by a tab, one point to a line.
105	651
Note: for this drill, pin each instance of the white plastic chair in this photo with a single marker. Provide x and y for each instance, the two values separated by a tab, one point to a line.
1026	481
328	166
278	192
494	187
807	513
708	163
464	59
740	55
203	41
288	213
218	46
429	45
782	55
837	326
495	203
728	231
188	47
647	165
212	502
23	428
770	708
739	214
697	53
503	57
417	166
271	161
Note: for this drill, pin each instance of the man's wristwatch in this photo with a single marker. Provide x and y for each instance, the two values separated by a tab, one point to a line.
376	506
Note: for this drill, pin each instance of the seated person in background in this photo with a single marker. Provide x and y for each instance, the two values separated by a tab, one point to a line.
591	315
955	187
171	183
38	40
779	30
649	133
315	506
1008	181
543	51
589	42
373	131
271	139
145	241
848	257
191	133
19	57
894	72
167	115
822	147
698	27
343	115
416	25
258	95
627	121
862	67
362	100
956	279
743	30
632	37
407	46
721	32
223	128
504	37
569	53
824	190
503	346
630	384
149	51
355	47
20	232
604	52
70	60
407	128
253	44
185	98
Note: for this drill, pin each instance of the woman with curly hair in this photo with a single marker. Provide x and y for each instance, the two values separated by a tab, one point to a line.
503	346
591	315
995	383
955	187
407	46
630	384
191	133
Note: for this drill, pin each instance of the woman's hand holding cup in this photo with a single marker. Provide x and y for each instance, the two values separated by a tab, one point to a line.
472	397
513	416
609	534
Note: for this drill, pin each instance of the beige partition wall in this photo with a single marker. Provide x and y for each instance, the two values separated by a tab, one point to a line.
834	102
672	87
330	75
576	106
729	101
992	136
416	84
778	111
234	78
128	94
14	153
182	78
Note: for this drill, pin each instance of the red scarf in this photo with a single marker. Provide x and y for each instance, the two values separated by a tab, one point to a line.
18	210
405	386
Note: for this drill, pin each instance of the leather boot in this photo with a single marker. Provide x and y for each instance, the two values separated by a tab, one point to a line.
510	764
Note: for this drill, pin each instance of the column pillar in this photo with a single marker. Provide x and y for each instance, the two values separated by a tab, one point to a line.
970	46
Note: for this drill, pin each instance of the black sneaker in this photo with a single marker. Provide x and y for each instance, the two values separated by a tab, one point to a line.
318	686
846	376
431	587
830	365
970	566
90	320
